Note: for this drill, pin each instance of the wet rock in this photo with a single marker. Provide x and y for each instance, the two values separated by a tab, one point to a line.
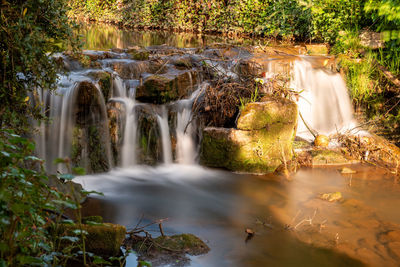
346	170
140	54
394	249
327	157
366	223
331	197
183	63
105	239
68	188
317	49
390	236
105	82
273	110
128	69
160	89
261	150
321	140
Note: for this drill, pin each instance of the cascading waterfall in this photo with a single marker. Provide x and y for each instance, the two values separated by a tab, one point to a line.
324	102
165	136
54	139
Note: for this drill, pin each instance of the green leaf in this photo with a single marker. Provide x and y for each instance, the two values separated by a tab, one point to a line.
100	260
59	160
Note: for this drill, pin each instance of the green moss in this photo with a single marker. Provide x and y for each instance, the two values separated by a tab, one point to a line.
140	55
258	151
183	243
258	115
95	219
326	157
105	239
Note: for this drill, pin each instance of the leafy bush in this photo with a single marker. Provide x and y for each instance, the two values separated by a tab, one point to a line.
31	31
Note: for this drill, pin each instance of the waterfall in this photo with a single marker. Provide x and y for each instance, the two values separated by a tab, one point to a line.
324	101
165	136
185	128
55	137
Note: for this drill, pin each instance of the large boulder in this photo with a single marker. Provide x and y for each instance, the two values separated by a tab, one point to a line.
262	142
260	115
160	89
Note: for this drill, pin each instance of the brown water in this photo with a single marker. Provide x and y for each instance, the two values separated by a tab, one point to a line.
218	206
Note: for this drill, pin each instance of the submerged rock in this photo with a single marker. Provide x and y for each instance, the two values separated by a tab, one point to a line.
262	142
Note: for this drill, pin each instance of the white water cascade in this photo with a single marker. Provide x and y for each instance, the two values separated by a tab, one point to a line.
53	139
165	136
324	102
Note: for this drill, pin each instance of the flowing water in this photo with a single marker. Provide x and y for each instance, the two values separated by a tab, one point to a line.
294	227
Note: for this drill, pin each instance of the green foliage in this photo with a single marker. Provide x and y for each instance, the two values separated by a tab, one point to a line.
31	31
25	202
329	17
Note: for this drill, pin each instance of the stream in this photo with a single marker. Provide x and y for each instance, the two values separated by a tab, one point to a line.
293	226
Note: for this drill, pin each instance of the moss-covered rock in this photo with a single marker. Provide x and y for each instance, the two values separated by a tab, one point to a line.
141	54
259	151
328	157
104	80
105	239
262	142
160	89
259	115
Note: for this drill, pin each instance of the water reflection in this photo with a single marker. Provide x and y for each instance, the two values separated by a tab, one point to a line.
103	37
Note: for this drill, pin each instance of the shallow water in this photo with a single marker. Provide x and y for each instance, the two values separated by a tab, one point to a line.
103	37
218	206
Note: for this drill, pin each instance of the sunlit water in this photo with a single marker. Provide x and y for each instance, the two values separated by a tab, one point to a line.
218	206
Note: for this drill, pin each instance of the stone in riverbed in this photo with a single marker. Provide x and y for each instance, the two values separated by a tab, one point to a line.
262	142
259	115
104	239
160	89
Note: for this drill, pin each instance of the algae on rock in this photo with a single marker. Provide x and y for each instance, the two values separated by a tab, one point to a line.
262	142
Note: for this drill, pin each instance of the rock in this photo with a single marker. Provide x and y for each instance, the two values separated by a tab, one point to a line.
262	142
160	89
331	197
394	248
68	188
258	151
321	140
327	157
346	170
183	63
371	39
390	236
141	54
317	49
272	110
104	80
128	69
92	219
105	239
